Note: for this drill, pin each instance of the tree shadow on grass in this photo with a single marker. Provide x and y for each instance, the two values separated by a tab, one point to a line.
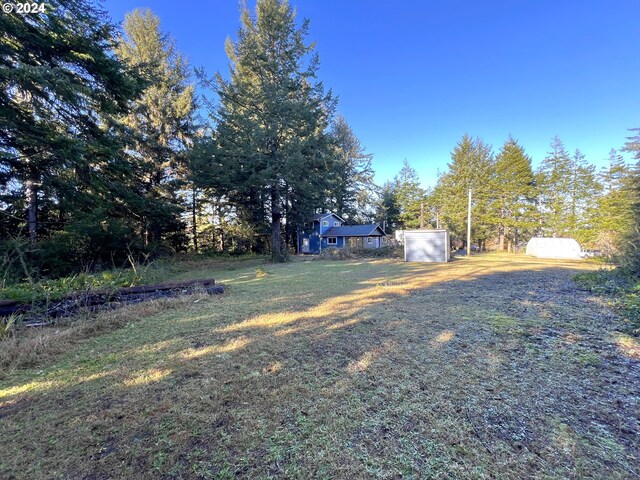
379	370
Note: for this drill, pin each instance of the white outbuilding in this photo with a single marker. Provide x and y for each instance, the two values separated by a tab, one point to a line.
561	248
426	246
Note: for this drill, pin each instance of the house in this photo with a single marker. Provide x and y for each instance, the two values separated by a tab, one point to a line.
325	230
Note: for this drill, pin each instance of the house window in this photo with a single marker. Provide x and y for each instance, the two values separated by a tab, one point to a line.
369	239
336	224
332	240
325	223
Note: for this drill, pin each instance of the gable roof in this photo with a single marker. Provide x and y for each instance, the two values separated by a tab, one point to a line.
320	216
355	231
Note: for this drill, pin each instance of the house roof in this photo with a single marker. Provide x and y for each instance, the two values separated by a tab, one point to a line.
320	216
355	231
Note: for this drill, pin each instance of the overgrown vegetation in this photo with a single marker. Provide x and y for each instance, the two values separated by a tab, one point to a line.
57	288
136	274
333	253
622	287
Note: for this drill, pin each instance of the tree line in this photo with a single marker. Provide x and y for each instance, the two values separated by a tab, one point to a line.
108	151
512	201
113	147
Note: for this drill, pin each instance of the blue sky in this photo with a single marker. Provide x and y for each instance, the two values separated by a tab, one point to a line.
414	76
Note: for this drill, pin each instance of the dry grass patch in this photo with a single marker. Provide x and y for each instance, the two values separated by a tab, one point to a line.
41	345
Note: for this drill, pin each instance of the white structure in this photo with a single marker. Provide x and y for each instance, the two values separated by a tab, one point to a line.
426	246
563	248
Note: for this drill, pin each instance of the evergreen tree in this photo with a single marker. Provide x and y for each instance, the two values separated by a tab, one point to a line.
470	168
632	235
410	197
387	208
352	185
60	86
513	192
583	190
271	122
613	211
554	179
161	120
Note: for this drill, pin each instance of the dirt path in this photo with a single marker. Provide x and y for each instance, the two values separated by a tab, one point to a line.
494	367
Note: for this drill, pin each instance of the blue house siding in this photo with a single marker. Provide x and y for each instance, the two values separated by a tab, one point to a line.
314	243
340	242
331	221
313	235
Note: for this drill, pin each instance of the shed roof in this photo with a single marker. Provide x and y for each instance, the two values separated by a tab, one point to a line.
372	230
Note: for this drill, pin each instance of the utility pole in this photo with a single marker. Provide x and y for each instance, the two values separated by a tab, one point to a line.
469	226
422	215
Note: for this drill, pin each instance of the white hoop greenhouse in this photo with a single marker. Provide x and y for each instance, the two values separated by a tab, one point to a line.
563	248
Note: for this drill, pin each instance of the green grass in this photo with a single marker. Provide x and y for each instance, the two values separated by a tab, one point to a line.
479	368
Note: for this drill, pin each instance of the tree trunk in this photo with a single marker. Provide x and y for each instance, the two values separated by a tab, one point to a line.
194	222
501	237
276	234
31	197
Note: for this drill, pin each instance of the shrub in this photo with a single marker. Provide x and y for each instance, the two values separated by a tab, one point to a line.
622	285
48	290
334	253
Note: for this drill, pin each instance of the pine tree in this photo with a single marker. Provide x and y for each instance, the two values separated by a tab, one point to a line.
352	185
60	87
613	213
583	190
161	120
387	209
513	192
554	179
410	197
271	122
470	168
632	234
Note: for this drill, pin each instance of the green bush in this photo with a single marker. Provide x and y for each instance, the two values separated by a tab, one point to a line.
346	253
51	290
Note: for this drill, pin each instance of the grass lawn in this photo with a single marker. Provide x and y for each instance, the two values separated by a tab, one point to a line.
493	367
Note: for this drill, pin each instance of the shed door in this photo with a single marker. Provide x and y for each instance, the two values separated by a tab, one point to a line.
425	247
305	245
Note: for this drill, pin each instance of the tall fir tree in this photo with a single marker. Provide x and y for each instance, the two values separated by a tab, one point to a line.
554	177
410	197
613	213
60	87
470	168
161	120
512	207
632	234
583	190
352	187
271	123
387	210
